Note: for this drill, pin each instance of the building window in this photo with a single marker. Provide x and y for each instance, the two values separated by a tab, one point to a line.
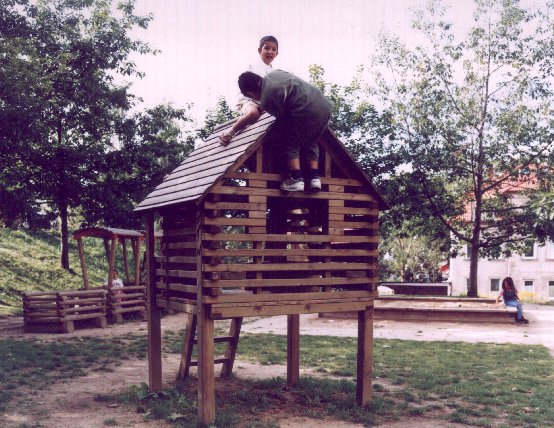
551	289
528	285
467	284
529	250
468	251
495	284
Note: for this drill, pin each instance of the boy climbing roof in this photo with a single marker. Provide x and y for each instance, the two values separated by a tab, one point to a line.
302	113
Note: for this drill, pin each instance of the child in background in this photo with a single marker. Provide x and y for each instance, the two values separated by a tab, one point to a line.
511	298
250	109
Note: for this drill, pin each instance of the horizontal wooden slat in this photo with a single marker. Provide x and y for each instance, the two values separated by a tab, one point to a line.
236	206
176	259
353	211
268	267
223	221
179	245
284	309
287	238
261	297
176	273
279	177
177	287
276	193
322	282
323	252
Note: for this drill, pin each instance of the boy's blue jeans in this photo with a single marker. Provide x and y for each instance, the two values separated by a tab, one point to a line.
517	305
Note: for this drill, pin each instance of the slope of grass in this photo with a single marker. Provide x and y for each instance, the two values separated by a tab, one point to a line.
29	261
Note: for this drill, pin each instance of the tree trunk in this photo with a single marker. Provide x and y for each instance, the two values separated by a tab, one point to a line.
473	265
64	256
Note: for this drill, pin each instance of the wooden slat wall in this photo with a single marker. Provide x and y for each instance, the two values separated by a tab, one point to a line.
176	265
311	243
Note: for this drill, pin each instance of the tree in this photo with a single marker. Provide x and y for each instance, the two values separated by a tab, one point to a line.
66	54
472	116
412	258
151	144
364	131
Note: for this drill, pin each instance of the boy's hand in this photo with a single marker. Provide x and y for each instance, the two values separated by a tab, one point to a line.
225	139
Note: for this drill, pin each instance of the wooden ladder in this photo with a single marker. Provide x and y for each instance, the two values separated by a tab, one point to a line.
189	340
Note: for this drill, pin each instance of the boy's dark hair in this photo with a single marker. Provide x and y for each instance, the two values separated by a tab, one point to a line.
268	39
249	82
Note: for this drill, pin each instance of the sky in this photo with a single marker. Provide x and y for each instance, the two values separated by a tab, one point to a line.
204	45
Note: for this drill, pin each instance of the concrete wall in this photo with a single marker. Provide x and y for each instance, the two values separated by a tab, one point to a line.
537	270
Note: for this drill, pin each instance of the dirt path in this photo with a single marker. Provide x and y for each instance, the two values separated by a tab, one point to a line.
71	403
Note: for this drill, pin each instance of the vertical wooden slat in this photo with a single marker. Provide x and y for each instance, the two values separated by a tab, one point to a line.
154	321
125	260
188	343
111	262
83	262
365	356
293	349
136	258
231	350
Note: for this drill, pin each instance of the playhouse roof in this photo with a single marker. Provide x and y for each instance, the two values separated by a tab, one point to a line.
210	160
107	233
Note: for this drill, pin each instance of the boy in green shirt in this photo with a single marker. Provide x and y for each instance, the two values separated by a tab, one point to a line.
302	113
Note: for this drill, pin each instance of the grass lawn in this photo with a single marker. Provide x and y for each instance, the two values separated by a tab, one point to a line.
475	384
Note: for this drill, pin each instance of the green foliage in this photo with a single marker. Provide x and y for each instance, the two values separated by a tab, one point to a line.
409	258
151	144
216	116
473	115
365	132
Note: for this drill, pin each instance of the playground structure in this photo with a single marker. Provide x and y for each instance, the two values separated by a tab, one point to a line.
233	246
132	297
57	311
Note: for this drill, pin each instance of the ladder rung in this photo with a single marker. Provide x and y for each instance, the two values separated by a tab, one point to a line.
218	339
217	360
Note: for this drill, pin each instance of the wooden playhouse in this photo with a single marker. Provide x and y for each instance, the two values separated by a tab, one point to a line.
233	245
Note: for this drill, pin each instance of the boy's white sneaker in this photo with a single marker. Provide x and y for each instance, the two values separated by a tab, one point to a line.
315	185
293	185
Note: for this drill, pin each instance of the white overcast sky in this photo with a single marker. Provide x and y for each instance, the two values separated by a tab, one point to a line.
206	44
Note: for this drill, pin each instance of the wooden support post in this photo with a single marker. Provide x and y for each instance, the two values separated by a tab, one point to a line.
125	260
83	262
206	387
111	263
293	349
205	337
231	349
154	321
365	356
188	343
136	258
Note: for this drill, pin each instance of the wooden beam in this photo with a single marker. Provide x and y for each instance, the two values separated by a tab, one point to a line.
188	343
365	356
83	262
206	386
231	349
136	258
111	262
125	259
153	313
293	349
